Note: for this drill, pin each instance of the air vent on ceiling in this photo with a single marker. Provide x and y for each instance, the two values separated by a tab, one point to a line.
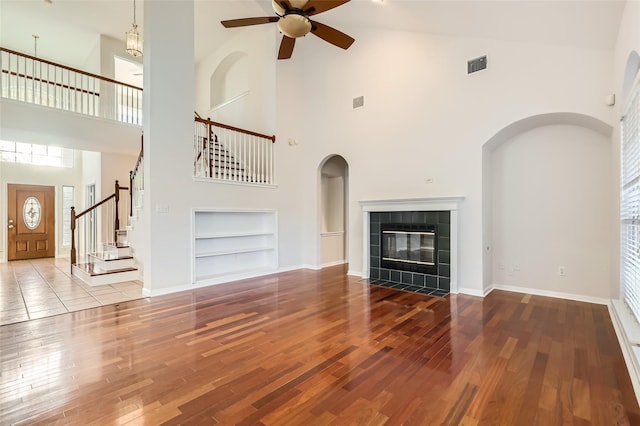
358	102
477	64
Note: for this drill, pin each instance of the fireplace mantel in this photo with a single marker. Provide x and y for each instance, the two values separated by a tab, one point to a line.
406	204
450	204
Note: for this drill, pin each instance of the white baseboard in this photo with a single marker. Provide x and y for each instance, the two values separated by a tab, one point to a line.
355	273
330	264
297	267
549	293
474	292
223	280
628	333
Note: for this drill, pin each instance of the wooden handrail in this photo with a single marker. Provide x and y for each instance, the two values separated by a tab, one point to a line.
44	61
79	215
134	172
237	129
74	217
64	86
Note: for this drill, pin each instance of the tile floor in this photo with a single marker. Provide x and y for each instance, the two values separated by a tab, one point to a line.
409	287
31	289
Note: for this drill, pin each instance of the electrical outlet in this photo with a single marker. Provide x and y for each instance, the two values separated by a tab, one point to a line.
562	271
516	266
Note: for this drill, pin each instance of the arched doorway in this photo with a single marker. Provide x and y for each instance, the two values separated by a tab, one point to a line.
333	211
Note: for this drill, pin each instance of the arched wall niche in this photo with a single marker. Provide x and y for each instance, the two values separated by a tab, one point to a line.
333	173
546	183
630	76
230	79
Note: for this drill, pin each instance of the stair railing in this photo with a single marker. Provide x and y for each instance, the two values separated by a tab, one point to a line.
136	181
33	80
101	223
230	153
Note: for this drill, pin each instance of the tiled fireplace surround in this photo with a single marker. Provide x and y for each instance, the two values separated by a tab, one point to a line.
441	212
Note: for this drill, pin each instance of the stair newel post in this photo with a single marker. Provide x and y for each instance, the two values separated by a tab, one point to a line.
116	223
130	193
73	236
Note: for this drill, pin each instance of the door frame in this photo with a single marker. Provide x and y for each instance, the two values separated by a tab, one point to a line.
4	215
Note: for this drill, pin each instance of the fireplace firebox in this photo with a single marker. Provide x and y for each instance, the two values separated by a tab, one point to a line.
409	247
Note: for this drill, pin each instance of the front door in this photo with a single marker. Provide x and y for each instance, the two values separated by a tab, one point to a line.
31	227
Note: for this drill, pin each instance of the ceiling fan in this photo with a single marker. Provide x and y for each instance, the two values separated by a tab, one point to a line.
293	22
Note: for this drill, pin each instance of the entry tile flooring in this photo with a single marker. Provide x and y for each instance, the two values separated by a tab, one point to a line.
31	289
409	287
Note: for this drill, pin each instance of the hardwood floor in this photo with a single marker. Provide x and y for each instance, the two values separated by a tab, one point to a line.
306	347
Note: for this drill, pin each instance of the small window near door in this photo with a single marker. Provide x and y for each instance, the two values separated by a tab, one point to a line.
68	195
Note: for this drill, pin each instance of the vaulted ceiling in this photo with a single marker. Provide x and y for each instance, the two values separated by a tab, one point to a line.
69	29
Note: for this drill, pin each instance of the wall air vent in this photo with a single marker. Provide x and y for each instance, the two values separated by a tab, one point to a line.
358	102
477	64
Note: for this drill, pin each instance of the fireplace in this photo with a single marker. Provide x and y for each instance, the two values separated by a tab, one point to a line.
409	247
423	216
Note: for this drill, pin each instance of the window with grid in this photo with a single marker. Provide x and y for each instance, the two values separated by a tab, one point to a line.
68	194
630	204
41	155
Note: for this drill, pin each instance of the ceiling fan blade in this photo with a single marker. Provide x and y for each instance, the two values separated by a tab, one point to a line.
286	47
244	22
318	6
331	35
286	5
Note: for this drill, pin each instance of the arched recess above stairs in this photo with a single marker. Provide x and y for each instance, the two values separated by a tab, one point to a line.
230	79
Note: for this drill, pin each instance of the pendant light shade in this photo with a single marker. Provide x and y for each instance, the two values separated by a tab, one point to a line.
134	40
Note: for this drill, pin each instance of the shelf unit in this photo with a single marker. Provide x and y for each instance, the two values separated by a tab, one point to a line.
230	244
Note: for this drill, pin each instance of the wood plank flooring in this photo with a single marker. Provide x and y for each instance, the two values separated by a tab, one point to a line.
318	348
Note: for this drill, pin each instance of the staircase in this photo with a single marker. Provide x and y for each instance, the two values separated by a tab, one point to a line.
224	152
113	261
113	264
225	164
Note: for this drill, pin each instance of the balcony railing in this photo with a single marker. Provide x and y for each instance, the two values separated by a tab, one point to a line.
29	79
224	152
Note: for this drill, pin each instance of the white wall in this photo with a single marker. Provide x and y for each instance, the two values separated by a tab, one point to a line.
115	167
424	117
254	111
551	191
333	203
91	174
48	126
40	175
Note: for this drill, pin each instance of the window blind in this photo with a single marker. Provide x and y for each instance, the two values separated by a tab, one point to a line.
630	204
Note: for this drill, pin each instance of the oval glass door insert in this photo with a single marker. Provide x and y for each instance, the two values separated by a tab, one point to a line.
31	213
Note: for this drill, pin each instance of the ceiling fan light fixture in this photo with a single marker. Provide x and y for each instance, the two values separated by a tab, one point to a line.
133	38
294	25
295	4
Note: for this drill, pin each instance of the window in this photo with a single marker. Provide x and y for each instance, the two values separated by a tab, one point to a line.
68	195
40	155
630	204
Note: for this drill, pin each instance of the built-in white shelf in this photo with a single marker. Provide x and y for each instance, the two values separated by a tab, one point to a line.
242	250
227	235
232	243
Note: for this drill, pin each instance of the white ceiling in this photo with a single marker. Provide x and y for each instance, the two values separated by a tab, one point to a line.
69	29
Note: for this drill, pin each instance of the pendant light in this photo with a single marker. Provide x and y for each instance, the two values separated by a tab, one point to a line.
134	40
